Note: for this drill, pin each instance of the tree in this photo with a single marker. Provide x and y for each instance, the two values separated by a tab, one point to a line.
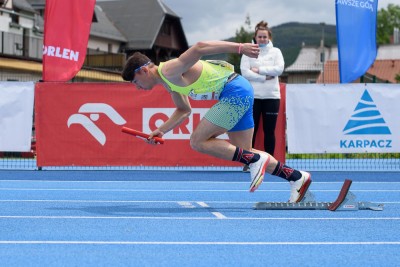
387	21
243	35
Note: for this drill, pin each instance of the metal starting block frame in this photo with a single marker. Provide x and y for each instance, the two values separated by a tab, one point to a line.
345	201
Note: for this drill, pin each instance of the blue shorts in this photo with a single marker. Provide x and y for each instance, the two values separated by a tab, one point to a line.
234	110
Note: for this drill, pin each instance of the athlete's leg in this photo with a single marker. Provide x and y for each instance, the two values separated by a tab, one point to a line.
204	140
242	138
299	180
234	113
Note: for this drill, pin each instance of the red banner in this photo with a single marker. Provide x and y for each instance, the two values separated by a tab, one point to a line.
80	124
66	34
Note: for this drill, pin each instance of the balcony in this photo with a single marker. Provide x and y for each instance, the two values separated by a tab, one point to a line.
31	48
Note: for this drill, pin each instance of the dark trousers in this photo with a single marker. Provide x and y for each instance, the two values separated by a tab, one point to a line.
267	109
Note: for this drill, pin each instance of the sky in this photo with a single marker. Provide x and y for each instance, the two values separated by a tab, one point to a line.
219	19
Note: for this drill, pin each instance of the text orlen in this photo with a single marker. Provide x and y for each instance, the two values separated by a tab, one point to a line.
381	143
65	53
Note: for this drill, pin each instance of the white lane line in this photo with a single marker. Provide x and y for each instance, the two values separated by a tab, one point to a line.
144	201
133	182
186	204
96	201
180	182
185	190
56	242
202	204
219	215
204	218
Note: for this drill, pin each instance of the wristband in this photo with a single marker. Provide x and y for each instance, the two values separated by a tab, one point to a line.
240	48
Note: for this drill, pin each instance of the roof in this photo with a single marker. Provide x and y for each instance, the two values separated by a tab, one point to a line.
308	60
104	28
39	3
23	5
139	21
385	67
385	70
330	74
309	57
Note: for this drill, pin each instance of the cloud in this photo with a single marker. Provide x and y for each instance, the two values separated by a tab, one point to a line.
217	20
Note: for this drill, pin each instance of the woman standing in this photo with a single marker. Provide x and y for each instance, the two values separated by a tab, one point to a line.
263	72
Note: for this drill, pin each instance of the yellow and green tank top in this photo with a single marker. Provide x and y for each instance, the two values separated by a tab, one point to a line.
210	83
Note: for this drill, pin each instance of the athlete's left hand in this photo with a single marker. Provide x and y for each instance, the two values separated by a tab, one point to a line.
250	50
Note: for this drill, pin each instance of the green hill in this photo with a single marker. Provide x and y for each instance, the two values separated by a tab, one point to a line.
289	37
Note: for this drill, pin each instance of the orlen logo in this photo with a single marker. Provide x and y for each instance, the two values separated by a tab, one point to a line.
154	117
88	122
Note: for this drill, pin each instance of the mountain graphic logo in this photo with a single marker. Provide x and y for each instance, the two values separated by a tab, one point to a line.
366	118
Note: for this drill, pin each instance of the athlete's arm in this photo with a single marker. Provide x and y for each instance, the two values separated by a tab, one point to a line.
178	66
182	111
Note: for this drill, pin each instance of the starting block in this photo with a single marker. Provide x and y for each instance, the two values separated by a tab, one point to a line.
345	201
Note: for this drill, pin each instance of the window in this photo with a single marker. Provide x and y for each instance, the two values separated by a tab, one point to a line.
311	81
166	28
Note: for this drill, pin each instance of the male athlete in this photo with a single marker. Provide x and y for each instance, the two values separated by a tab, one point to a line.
189	76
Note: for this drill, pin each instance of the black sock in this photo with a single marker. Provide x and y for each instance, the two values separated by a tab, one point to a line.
286	172
245	156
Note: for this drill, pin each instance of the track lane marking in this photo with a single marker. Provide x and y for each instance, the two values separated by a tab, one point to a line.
198	218
56	242
186	204
185	190
140	201
219	215
196	182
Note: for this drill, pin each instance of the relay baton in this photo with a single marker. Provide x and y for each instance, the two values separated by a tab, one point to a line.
141	135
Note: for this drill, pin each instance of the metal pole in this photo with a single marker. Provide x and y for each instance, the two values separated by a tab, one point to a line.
323	52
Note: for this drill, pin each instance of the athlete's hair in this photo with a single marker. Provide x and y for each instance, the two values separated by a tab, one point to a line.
262	25
133	63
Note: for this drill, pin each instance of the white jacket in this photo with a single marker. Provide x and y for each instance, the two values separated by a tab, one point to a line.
270	62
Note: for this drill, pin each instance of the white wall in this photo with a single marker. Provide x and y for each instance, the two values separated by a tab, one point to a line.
102	44
5	22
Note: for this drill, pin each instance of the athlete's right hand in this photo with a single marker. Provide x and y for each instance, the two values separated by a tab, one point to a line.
156	133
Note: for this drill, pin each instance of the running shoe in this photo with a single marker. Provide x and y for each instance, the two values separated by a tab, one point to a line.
257	171
299	188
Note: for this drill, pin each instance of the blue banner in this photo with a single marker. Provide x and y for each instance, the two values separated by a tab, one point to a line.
356	36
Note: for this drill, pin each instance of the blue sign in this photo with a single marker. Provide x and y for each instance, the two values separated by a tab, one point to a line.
356	36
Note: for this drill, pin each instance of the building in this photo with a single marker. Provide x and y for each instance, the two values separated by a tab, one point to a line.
149	26
118	29
309	66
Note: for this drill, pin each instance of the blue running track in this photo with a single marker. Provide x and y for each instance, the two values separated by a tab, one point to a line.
171	218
